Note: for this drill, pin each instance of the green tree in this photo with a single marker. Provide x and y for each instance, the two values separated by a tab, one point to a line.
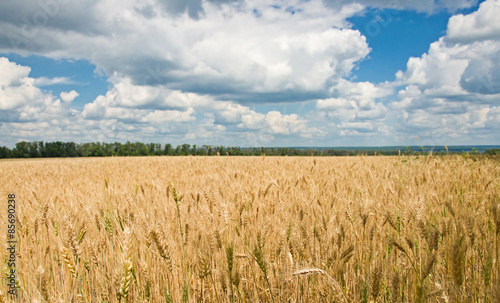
21	150
185	149
167	151
5	152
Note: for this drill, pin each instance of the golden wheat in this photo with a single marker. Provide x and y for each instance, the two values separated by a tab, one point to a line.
249	229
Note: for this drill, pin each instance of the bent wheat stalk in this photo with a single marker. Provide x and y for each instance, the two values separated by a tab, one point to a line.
317	271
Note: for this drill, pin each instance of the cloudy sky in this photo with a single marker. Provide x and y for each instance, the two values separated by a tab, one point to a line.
251	72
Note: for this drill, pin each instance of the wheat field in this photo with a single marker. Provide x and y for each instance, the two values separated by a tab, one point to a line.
254	229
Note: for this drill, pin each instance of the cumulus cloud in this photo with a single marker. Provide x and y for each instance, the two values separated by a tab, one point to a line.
355	103
141	103
429	6
453	68
69	96
198	115
194	70
29	113
176	65
275	123
483	24
482	76
454	88
11	73
230	49
16	88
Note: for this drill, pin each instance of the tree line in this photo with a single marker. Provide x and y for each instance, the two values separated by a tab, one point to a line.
40	149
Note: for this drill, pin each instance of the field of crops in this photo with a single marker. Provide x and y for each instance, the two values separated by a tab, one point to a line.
253	229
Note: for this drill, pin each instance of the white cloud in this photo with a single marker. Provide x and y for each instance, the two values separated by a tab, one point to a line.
275	123
355	103
253	120
68	97
228	112
124	102
442	66
44	81
11	73
128	101
483	24
456	68
163	116
16	88
428	6
193	70
453	90
172	63
28	113
229	48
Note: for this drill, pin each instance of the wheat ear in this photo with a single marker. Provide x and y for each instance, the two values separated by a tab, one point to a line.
127	264
68	259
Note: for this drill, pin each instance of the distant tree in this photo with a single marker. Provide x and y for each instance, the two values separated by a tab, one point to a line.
34	149
141	149
70	149
185	149
220	150
492	152
167	151
97	150
116	149
21	150
157	149
5	152
177	151
152	149
283	151
126	149
56	149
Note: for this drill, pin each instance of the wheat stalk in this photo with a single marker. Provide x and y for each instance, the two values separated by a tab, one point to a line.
317	271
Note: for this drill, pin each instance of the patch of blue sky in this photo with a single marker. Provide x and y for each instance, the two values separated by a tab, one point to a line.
80	73
394	36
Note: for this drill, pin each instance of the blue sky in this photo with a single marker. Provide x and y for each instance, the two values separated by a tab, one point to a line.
394	36
251	73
